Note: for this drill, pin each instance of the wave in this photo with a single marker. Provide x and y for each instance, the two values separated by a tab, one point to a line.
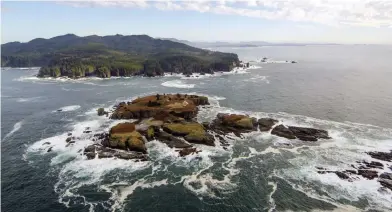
31	99
215	172
177	84
16	127
68	108
258	78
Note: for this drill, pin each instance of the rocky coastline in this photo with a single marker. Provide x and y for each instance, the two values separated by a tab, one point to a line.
171	119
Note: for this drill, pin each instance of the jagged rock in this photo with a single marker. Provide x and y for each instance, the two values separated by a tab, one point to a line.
69	134
69	143
90	155
265	124
372	164
171	141
385	156
309	134
68	139
90	148
283	131
302	133
50	149
369	174
342	175
385	180
187	151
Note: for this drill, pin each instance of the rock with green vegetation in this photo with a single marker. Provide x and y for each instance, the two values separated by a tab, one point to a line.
166	108
101	111
192	132
74	57
233	123
124	136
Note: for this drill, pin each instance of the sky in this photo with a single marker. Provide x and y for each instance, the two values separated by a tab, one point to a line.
297	21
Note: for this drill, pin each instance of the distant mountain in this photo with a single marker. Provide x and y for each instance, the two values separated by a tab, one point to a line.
116	55
217	44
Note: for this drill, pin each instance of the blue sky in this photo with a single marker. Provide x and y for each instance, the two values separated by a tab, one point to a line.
364	21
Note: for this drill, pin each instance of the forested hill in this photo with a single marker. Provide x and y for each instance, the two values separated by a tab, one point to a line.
104	56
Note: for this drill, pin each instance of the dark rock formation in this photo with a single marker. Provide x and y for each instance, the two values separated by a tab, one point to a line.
385	156
265	124
187	151
302	133
385	180
171	141
369	174
283	131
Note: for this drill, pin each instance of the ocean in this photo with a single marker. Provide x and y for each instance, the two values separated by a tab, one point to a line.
345	89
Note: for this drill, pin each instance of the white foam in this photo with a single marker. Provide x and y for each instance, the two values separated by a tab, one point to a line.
258	78
68	108
177	84
16	127
31	99
199	171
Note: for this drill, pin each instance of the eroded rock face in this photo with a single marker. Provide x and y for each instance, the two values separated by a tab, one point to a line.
124	136
179	105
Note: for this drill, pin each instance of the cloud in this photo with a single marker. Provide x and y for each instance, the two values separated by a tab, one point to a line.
370	13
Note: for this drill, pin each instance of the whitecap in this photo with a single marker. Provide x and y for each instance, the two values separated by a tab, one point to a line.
68	108
16	127
258	78
31	99
177	84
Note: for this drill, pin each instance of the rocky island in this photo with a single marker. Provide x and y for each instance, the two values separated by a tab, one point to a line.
74	57
172	120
